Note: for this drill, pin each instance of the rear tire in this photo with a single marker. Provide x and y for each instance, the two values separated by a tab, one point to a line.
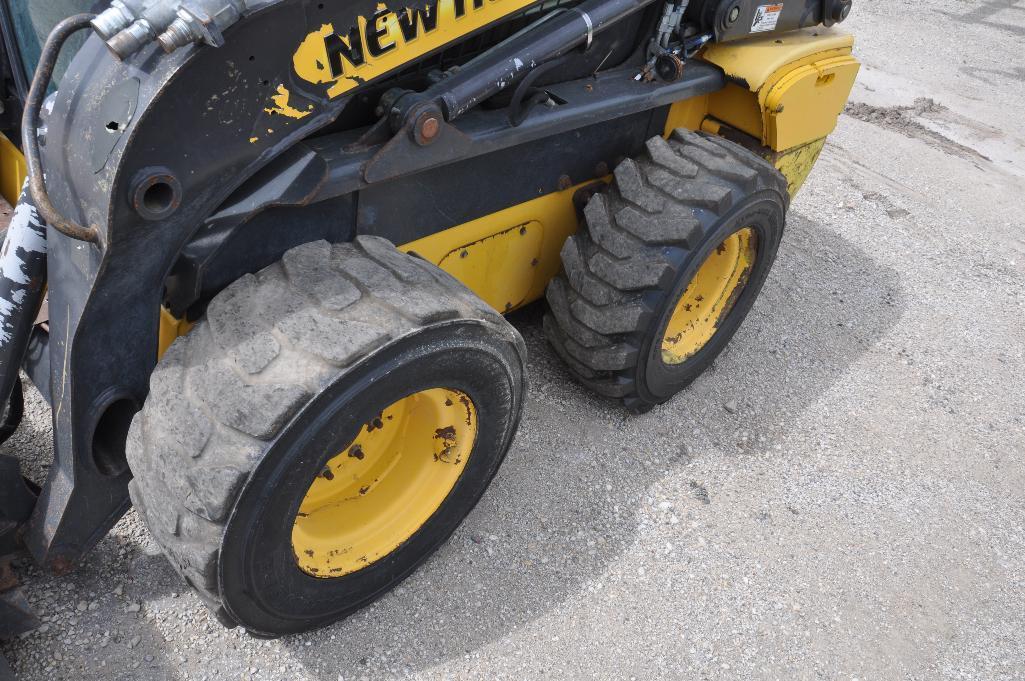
643	245
288	369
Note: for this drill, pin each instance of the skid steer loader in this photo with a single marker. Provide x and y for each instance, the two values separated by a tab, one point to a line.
262	256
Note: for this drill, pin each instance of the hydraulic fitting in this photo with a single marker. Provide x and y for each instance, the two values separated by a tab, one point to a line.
201	22
118	17
129	25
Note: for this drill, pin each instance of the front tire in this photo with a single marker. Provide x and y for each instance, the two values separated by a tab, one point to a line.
322	431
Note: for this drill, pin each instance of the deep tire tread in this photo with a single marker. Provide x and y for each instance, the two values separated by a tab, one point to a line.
619	270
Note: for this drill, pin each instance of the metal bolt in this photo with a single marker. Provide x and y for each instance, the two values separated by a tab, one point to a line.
430	127
734	15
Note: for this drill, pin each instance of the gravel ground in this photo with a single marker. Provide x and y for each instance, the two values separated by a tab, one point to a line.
840	497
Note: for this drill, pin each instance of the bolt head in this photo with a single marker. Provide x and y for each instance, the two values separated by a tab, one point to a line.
430	127
734	14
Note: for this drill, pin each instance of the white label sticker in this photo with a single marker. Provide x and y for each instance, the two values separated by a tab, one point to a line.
766	18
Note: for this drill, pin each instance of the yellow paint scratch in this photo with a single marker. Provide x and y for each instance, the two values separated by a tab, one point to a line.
282	107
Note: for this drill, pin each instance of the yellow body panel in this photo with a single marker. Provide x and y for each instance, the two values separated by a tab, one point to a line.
785	91
381	488
12	170
502	266
553	217
688	113
804	104
170	328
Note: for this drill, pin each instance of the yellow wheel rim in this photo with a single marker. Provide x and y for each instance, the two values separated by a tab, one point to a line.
710	296
377	492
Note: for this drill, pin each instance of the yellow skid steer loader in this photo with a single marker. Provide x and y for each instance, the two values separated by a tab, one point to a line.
263	251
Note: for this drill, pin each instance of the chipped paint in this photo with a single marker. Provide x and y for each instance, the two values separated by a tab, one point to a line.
282	107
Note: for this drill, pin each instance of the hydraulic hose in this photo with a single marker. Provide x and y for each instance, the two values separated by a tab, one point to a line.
30	124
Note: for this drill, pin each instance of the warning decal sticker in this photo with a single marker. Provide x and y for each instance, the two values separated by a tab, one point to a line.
766	18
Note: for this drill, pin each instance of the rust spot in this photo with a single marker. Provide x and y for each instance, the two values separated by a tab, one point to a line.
363	490
356	452
448	403
699	298
469	410
720	249
447	435
309	552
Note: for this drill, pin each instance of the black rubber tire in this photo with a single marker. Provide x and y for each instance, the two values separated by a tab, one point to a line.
280	375
642	242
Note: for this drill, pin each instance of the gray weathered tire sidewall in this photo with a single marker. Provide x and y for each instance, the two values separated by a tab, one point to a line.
260	583
765	213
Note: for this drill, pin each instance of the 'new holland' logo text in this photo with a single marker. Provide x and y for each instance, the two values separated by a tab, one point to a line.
375	38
